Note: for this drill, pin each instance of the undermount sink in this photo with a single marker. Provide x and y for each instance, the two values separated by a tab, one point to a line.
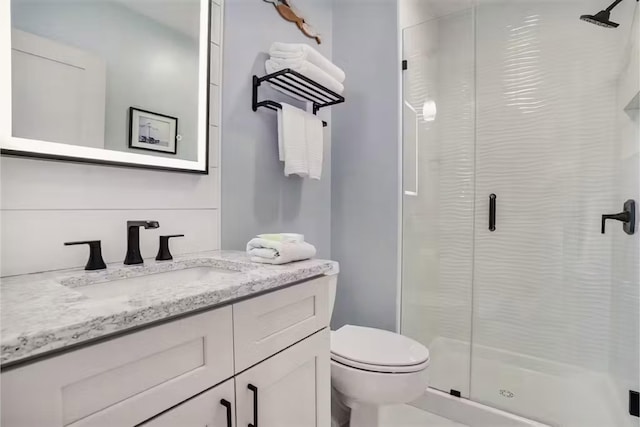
152	282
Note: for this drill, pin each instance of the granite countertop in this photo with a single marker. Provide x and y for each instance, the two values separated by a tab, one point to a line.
49	311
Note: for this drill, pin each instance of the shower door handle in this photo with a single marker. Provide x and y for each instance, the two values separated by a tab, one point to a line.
627	217
492	212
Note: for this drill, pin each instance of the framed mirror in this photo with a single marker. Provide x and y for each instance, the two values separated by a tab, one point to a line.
122	82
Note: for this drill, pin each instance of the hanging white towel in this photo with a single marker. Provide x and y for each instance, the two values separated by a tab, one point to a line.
280	137
302	52
307	69
273	252
315	145
293	140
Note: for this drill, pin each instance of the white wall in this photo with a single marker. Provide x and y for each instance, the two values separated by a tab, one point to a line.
414	12
258	198
149	65
47	203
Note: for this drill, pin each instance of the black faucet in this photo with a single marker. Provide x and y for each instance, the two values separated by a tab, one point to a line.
133	240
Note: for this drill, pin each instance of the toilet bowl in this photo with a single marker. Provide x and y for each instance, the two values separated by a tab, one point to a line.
373	367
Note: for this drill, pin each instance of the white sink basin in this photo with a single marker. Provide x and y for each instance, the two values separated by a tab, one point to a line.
153	282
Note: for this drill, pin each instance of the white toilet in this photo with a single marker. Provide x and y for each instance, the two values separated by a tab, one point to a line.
372	367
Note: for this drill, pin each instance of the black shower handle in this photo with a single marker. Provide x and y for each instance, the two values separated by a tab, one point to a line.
492	212
627	217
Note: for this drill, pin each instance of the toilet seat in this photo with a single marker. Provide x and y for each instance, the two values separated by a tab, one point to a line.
377	350
384	369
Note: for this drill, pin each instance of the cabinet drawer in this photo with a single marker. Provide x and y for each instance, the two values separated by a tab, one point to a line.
269	323
213	408
123	381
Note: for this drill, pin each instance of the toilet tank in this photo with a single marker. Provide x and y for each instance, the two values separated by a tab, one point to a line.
333	285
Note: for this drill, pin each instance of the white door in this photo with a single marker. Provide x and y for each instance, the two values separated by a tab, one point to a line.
58	92
213	408
291	389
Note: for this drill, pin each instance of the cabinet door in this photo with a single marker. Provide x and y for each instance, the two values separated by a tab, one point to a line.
290	389
213	408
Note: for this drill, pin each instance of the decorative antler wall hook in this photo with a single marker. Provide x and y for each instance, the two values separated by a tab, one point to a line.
289	13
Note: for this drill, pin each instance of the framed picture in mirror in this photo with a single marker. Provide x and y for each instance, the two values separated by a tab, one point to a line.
153	131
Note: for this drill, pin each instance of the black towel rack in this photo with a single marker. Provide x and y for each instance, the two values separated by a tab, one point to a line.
298	85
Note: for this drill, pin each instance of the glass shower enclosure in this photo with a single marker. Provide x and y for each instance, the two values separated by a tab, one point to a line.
521	113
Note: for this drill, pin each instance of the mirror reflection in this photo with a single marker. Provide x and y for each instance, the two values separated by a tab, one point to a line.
110	74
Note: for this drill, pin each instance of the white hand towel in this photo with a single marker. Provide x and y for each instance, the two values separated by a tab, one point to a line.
280	137
307	69
315	145
302	52
294	140
273	252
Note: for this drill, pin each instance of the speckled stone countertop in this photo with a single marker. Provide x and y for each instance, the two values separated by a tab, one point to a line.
49	311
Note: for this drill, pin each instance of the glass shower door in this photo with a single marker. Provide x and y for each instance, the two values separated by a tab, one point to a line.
555	302
438	146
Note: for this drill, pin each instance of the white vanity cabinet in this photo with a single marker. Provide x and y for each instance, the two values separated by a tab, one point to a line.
178	373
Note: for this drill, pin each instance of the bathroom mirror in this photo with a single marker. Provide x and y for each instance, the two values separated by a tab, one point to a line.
106	81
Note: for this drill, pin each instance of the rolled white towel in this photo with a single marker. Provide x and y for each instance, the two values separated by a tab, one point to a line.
307	69
273	252
304	52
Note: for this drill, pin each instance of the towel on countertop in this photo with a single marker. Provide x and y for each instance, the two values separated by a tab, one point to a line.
304	52
307	69
273	252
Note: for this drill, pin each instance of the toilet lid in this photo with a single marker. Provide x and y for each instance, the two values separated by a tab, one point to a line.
377	350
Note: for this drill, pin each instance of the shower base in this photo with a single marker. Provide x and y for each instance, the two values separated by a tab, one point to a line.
547	393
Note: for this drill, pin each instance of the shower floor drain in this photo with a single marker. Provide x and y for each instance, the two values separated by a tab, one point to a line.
506	393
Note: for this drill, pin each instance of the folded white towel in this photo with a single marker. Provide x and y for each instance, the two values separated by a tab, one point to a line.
273	252
302	52
283	237
315	145
307	69
292	140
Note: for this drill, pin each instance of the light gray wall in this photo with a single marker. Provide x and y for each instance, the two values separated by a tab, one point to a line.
149	65
255	192
364	194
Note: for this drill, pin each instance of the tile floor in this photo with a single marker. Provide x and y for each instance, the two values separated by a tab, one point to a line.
408	416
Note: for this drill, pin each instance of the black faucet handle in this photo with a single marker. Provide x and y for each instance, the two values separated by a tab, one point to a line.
163	251
627	217
95	254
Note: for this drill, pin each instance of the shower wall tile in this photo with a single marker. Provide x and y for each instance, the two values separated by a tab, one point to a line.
545	125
